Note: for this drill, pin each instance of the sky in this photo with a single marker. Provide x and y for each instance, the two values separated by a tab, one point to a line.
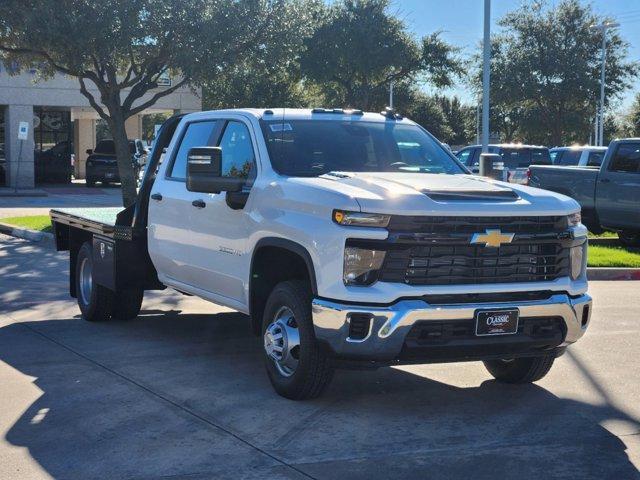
461	23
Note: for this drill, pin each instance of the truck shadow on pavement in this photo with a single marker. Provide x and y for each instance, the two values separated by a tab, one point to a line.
186	395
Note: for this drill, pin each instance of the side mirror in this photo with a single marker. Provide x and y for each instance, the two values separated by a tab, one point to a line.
204	172
89	151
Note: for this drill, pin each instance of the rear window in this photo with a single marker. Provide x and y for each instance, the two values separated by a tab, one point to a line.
523	157
595	159
107	147
568	158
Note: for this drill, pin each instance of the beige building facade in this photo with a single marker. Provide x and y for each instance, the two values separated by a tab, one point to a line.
61	125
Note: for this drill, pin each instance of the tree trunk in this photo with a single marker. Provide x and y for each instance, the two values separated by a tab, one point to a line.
124	158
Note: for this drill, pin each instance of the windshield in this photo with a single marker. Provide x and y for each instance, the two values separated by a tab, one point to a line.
315	147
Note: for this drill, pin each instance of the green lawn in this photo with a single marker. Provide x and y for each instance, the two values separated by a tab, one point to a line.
41	223
600	256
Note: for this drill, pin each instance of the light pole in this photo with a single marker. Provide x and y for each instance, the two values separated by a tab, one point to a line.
486	75
600	117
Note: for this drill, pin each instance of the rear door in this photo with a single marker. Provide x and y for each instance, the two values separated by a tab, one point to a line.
618	188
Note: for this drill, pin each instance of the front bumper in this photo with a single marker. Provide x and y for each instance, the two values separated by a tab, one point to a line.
390	325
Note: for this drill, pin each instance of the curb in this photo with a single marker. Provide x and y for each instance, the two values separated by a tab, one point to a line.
613	273
32	235
605	242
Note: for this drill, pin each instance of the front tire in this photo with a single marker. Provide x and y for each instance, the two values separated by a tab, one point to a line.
297	368
95	301
520	370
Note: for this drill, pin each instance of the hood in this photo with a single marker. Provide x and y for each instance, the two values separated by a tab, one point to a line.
438	194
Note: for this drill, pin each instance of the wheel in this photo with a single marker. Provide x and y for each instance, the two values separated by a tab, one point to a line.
90	182
95	301
520	370
629	238
127	303
296	366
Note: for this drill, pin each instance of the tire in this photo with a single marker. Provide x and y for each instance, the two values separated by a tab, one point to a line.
520	370
313	370
95	301
629	238
127	304
90	182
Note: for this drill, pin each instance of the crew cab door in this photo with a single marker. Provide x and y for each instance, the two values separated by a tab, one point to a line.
220	231
170	205
618	187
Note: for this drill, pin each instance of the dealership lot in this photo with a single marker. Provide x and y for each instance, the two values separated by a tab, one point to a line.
181	392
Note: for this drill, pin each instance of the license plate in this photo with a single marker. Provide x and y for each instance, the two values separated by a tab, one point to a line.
496	322
110	175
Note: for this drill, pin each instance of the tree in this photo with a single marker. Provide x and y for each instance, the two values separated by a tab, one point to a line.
631	127
359	48
271	76
125	47
545	72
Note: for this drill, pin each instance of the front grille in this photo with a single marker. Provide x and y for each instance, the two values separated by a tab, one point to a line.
471	225
457	264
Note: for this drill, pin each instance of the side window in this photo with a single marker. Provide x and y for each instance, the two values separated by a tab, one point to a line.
595	159
474	160
238	159
198	134
463	156
626	158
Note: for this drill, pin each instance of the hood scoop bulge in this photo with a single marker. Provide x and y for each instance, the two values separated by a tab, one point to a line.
488	195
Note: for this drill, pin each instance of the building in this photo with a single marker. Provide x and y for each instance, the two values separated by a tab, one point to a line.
60	123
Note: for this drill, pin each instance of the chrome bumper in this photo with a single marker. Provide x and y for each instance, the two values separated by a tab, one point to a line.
391	324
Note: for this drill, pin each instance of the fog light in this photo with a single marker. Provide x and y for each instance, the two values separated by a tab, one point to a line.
361	265
577	257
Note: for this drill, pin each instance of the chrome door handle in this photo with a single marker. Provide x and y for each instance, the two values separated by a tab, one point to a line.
198	204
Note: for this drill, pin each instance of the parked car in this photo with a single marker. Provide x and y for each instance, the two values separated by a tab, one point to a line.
516	159
609	195
54	164
578	156
351	239
102	165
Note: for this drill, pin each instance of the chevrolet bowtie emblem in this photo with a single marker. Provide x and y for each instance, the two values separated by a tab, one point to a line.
492	238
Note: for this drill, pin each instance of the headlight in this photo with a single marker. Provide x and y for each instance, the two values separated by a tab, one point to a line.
360	219
577	257
574	219
361	265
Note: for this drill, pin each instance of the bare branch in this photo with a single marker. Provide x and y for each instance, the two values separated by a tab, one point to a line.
92	100
156	97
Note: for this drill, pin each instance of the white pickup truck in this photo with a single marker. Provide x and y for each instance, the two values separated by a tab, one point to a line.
351	239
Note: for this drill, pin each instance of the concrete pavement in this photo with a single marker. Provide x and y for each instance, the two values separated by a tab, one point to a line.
59	196
181	392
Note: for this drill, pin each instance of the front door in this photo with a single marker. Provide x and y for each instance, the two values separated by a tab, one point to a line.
170	207
220	255
618	188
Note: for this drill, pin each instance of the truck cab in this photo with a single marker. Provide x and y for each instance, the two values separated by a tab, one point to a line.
351	239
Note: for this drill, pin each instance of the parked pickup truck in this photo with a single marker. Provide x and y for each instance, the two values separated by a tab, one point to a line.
609	195
351	239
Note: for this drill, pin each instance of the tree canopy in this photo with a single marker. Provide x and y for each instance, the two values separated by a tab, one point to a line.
119	50
359	47
545	72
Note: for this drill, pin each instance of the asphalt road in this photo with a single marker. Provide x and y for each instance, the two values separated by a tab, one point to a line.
180	392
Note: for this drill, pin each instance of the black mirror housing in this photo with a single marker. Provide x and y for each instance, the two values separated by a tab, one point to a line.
204	172
89	151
